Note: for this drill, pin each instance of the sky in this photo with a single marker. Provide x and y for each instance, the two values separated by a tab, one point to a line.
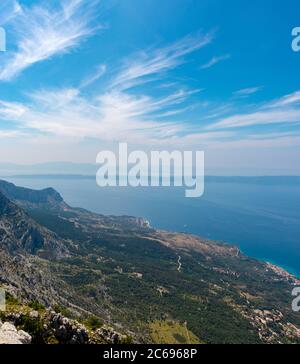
78	77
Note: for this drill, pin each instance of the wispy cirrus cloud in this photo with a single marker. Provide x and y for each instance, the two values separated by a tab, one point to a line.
117	111
98	73
245	92
43	31
108	116
145	65
10	133
285	110
9	9
287	100
258	118
10	110
215	60
113	113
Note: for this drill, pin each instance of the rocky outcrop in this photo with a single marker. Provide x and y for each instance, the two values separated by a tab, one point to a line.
47	326
67	331
21	234
109	336
10	335
27	198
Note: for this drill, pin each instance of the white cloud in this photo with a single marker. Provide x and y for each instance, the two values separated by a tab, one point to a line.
9	110
113	113
42	31
287	100
247	91
10	134
262	143
98	73
116	114
284	110
111	116
9	9
259	118
151	63
215	60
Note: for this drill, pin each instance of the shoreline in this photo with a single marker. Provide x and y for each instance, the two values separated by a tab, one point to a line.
266	260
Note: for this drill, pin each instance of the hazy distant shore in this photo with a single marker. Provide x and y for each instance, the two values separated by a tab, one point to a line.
261	180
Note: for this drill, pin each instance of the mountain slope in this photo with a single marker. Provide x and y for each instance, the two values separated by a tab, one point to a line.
25	197
152	284
21	234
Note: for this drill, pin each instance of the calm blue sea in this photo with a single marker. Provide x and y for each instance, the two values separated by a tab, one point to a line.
262	219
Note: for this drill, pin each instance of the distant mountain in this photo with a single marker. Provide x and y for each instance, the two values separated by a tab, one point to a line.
21	234
27	197
49	200
152	285
9	169
24	246
90	169
255	180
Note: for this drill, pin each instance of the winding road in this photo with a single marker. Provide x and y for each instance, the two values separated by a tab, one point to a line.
179	263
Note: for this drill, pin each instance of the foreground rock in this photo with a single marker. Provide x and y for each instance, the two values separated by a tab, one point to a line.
67	331
49	327
10	335
109	336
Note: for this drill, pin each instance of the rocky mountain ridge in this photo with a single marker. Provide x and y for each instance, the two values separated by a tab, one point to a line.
20	233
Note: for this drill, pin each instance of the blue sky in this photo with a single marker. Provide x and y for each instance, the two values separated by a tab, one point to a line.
220	76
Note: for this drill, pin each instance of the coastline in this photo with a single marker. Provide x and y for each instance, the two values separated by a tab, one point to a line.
149	223
283	268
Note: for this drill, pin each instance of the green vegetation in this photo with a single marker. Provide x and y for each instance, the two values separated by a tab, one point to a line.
122	272
62	310
35	327
172	332
35	305
136	302
93	323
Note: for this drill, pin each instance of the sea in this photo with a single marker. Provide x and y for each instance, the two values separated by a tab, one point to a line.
259	215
